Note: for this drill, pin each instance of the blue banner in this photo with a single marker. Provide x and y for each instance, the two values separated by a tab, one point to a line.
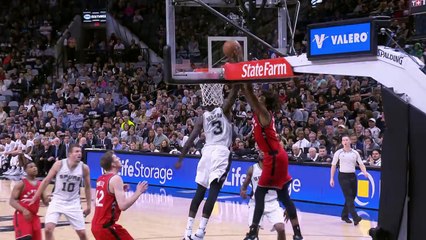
337	40
310	183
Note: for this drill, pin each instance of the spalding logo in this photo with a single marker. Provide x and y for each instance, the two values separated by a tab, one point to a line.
87	16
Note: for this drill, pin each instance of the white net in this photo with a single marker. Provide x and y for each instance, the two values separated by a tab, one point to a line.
212	94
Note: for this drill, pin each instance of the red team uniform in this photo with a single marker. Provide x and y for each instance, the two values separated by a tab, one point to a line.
24	228
275	162
107	213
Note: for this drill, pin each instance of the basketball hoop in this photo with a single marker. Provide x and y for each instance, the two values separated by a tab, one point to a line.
212	94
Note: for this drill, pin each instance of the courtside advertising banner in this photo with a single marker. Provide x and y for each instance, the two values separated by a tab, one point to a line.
276	68
310	183
335	39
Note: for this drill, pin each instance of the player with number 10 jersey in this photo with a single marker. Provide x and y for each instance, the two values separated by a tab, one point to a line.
69	174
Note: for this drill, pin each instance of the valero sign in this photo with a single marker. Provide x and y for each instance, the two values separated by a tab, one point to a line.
343	38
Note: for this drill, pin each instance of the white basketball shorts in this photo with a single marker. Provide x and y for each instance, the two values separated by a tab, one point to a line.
212	165
273	212
72	211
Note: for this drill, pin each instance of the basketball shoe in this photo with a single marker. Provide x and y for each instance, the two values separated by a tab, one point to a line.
253	233
198	235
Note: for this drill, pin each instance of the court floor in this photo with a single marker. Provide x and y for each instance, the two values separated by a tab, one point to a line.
161	213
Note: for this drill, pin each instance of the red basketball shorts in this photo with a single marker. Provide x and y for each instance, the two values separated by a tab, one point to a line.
111	233
24	228
275	171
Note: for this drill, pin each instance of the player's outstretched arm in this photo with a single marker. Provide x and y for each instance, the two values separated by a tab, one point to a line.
195	132
46	181
116	187
86	177
229	101
258	108
243	190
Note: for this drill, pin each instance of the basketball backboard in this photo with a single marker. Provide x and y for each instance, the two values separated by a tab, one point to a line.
186	66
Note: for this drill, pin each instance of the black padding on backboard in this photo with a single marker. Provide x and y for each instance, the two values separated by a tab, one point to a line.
417	176
395	163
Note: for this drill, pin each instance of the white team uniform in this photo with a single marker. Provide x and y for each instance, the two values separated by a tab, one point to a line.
66	197
7	148
273	212
215	153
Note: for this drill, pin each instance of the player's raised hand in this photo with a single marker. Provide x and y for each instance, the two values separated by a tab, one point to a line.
142	187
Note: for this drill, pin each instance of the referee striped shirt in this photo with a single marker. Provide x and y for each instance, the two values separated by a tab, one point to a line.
347	160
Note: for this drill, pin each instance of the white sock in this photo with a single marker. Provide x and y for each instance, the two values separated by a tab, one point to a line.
188	230
203	225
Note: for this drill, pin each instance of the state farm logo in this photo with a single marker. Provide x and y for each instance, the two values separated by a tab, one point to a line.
276	68
266	69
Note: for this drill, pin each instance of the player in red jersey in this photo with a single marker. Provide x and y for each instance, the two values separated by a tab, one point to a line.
110	200
275	174
25	220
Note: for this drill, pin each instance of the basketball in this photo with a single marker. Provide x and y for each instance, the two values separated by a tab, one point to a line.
230	47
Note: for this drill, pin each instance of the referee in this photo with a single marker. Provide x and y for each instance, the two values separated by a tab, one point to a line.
347	158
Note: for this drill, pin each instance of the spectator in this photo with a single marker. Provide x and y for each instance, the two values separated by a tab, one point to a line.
164	147
297	154
159	137
103	141
301	140
323	156
376	158
375	131
313	142
312	155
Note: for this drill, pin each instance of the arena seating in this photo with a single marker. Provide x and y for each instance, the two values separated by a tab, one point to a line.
123	104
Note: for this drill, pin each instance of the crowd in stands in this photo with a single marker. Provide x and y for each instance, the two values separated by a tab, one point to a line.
147	19
123	104
122	110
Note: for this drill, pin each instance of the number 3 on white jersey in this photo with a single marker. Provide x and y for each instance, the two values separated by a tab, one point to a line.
99	197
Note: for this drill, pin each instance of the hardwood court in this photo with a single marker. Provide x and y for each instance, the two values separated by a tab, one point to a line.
163	216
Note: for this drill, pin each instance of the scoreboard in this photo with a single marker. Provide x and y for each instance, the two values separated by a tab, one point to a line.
94	17
417	6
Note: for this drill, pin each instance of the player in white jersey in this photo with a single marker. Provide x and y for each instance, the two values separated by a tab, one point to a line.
69	174
273	211
214	164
